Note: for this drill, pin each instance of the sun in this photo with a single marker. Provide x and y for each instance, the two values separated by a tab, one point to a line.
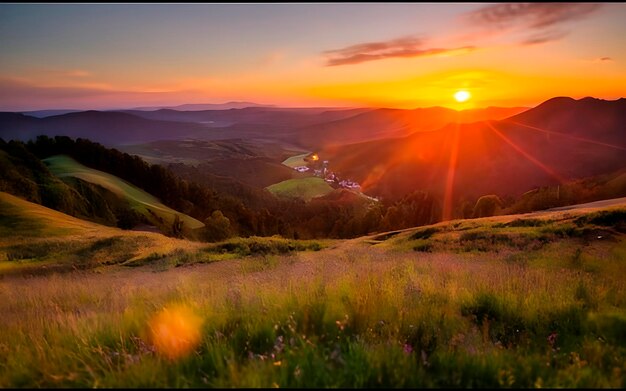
462	96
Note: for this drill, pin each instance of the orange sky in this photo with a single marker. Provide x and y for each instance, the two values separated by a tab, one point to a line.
392	55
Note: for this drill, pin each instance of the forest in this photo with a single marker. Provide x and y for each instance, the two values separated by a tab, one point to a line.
231	208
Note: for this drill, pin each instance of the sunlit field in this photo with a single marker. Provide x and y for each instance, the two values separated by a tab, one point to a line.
500	302
313	195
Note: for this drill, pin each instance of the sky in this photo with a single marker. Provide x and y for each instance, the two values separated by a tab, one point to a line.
403	55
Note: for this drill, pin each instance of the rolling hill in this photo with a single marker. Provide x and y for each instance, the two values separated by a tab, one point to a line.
559	140
35	239
152	208
308	128
393	123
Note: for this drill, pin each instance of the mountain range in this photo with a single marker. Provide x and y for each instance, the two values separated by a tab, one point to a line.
390	152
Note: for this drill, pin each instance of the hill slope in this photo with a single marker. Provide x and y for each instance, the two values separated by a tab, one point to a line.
560	142
64	166
35	239
392	123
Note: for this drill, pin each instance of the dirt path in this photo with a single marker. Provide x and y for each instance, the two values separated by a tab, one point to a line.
596	204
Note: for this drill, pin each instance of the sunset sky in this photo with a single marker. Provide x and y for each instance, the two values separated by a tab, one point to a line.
104	56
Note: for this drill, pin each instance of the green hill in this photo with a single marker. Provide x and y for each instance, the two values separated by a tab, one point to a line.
64	166
304	188
19	217
296	161
35	239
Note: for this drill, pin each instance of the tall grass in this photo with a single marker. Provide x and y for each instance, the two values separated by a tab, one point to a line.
354	316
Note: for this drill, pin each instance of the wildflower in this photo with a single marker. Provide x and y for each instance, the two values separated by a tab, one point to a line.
425	359
552	339
279	345
408	349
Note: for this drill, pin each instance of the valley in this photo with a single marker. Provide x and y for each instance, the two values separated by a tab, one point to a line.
313	195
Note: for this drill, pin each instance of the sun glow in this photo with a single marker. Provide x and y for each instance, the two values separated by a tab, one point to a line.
462	96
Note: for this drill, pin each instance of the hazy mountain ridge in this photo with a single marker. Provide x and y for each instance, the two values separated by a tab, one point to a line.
507	160
390	152
109	128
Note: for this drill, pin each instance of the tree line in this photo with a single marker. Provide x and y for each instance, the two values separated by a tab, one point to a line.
231	208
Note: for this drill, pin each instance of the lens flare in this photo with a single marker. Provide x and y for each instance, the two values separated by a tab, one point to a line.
175	331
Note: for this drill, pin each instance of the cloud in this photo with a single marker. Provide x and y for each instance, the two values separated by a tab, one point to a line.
604	59
396	48
530	15
544	37
19	94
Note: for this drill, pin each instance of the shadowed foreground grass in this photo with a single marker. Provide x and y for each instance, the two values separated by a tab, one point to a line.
537	305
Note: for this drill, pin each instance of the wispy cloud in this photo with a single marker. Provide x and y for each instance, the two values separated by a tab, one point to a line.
539	22
604	59
544	37
530	15
396	48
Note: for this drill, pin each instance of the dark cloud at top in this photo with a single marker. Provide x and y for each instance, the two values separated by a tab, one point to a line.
395	48
530	15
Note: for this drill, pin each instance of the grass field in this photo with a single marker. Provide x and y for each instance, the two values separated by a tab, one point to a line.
533	301
64	166
38	240
296	161
303	188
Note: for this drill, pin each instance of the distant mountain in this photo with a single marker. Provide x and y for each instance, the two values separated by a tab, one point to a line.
308	128
48	113
206	106
558	140
109	128
597	119
386	123
281	118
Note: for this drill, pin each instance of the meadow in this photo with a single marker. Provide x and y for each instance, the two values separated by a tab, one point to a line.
511	301
297	160
303	188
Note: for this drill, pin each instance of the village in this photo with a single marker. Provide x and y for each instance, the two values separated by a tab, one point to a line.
319	168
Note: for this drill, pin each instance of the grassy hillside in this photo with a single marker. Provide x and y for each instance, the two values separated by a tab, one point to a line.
22	218
38	240
303	188
558	141
64	166
536	300
295	161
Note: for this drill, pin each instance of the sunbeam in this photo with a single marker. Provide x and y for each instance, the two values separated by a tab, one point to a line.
454	154
527	155
586	140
